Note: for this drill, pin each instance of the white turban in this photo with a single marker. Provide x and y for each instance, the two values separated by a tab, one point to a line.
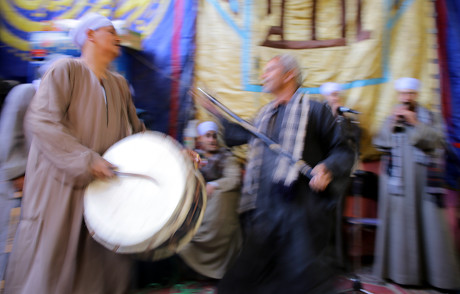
407	84
329	88
90	21
207	126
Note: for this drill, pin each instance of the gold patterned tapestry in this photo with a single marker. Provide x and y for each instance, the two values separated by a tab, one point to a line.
364	44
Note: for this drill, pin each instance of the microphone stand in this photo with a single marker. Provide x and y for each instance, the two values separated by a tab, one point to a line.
357	286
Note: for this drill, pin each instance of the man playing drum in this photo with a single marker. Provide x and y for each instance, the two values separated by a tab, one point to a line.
80	110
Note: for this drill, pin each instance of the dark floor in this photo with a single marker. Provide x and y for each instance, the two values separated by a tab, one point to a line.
363	281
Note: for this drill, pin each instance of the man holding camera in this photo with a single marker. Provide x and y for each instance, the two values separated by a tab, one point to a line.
413	245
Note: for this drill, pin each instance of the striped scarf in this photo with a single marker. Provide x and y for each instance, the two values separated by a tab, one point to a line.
294	126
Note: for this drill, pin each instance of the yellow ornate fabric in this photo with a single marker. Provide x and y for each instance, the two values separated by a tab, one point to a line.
365	45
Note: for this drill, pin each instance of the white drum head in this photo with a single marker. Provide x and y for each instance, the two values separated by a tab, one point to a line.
124	213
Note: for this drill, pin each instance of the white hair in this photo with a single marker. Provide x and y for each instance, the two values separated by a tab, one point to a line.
290	63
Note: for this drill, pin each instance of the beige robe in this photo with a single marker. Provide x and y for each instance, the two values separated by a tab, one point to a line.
71	126
218	240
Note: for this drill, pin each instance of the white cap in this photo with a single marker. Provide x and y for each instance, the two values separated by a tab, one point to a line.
329	88
407	84
207	126
90	21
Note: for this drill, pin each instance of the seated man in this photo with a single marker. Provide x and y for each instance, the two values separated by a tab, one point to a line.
218	239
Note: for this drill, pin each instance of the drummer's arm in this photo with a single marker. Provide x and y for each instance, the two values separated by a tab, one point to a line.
44	122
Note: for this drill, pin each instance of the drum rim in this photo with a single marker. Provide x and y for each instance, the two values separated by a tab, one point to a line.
168	249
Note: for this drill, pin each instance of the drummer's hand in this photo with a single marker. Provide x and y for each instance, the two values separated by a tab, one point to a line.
102	169
194	156
321	178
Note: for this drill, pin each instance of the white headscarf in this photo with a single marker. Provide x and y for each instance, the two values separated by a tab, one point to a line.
207	126
328	88
90	21
407	84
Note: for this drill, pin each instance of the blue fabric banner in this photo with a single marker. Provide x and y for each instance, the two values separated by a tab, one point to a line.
449	47
161	74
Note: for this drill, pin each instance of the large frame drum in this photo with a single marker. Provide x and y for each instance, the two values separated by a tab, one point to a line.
150	218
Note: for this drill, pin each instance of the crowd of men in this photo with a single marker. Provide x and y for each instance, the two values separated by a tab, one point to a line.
269	229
